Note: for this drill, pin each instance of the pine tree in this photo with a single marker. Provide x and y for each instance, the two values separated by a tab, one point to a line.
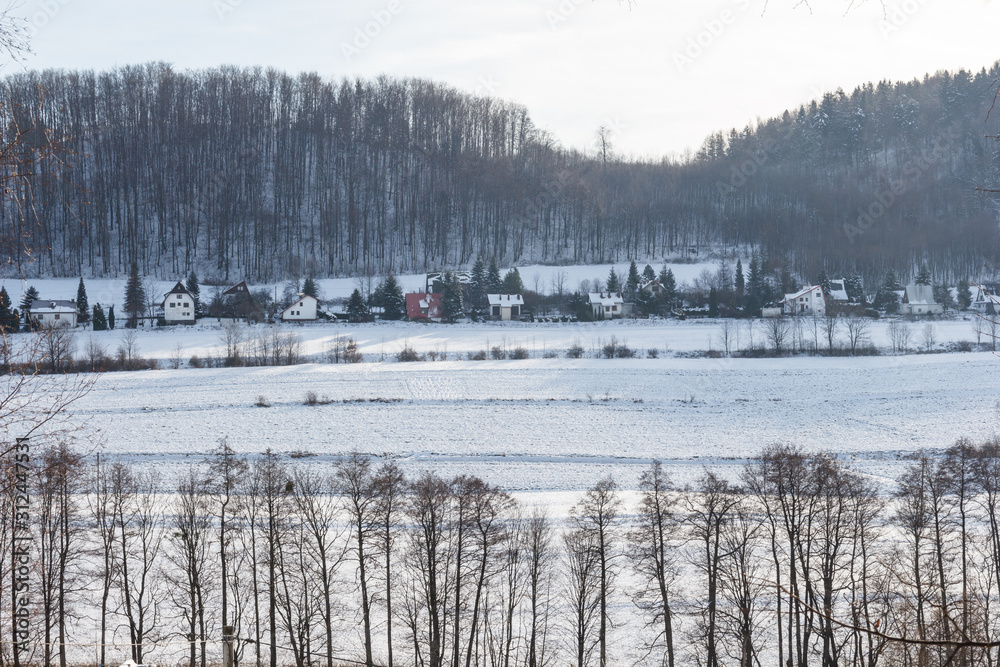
632	283
855	289
393	301
923	276
30	296
823	281
7	322
614	283
755	281
892	282
741	283
194	288
135	296
493	281
964	294
100	322
451	297
669	284
83	308
111	317
309	287
713	303
512	283
648	274
357	310
477	284
645	302
942	294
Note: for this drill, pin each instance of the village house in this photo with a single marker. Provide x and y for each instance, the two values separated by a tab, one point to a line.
505	307
425	307
178	306
808	301
607	305
919	300
52	313
984	300
304	309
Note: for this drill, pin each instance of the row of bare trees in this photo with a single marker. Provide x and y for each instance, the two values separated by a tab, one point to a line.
800	560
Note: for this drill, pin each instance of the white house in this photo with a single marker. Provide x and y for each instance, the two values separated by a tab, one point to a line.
505	306
919	300
838	291
984	300
178	306
304	309
808	301
608	305
50	313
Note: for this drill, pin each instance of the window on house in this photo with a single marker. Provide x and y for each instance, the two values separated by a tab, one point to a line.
187	305
57	316
496	311
614	308
173	305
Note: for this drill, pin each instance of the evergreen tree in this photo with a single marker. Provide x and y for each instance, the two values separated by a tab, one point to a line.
7	322
357	310
892	282
194	288
30	296
111	317
755	280
451	297
632	283
713	303
135	296
669	284
923	276
478	284
83	308
645	302
942	294
614	283
964	294
493	281
393	301
741	283
788	284
512	283
100	321
648	274
855	289
309	287
823	281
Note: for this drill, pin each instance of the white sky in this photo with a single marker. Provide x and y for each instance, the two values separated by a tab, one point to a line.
575	64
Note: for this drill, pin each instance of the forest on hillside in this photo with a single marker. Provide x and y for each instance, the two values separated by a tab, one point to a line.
260	174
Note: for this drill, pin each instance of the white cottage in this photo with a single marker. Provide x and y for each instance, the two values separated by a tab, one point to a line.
809	301
985	300
505	307
50	313
305	309
919	300
608	305
178	306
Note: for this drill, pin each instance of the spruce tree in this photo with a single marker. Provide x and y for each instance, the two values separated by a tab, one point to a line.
892	282
713	303
964	294
135	296
357	310
669	284
493	281
855	289
923	276
755	280
740	282
632	283
942	294
648	274
309	287
823	281
614	282
512	283
477	284
83	308
451	297
7	322
100	321
194	288
111	317
30	296
788	284
393	301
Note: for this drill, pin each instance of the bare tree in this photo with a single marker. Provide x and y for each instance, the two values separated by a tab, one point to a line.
540	555
928	336
899	336
857	331
776	333
390	488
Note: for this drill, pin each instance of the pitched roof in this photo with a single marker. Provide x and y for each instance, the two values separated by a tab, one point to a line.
53	306
802	293
239	288
606	299
920	295
505	299
300	297
178	289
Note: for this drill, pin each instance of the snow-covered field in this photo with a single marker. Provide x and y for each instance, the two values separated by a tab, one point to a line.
555	424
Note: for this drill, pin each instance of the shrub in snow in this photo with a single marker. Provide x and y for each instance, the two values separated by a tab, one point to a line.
520	353
408	354
262	402
575	351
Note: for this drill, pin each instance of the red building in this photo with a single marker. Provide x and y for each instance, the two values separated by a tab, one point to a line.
420	306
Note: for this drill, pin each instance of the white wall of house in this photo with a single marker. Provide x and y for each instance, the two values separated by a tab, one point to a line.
55	317
809	301
178	308
305	309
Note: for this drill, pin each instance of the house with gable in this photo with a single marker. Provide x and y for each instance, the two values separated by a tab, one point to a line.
807	301
505	307
607	305
425	307
919	300
305	308
51	313
178	305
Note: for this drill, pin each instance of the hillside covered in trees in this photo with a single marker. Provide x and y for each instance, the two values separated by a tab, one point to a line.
256	173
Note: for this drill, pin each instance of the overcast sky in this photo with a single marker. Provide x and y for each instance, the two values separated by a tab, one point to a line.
663	73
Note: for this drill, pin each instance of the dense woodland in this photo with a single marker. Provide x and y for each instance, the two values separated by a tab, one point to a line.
255	173
800	561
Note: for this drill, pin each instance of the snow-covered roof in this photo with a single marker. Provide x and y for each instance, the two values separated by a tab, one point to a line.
837	291
802	293
505	299
920	295
606	299
299	298
48	307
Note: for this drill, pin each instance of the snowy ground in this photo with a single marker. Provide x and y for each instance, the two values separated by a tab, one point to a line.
555	425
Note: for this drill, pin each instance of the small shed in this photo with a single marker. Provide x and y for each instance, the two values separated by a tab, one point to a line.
505	307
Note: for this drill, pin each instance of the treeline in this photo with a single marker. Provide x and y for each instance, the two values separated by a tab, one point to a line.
254	173
803	560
